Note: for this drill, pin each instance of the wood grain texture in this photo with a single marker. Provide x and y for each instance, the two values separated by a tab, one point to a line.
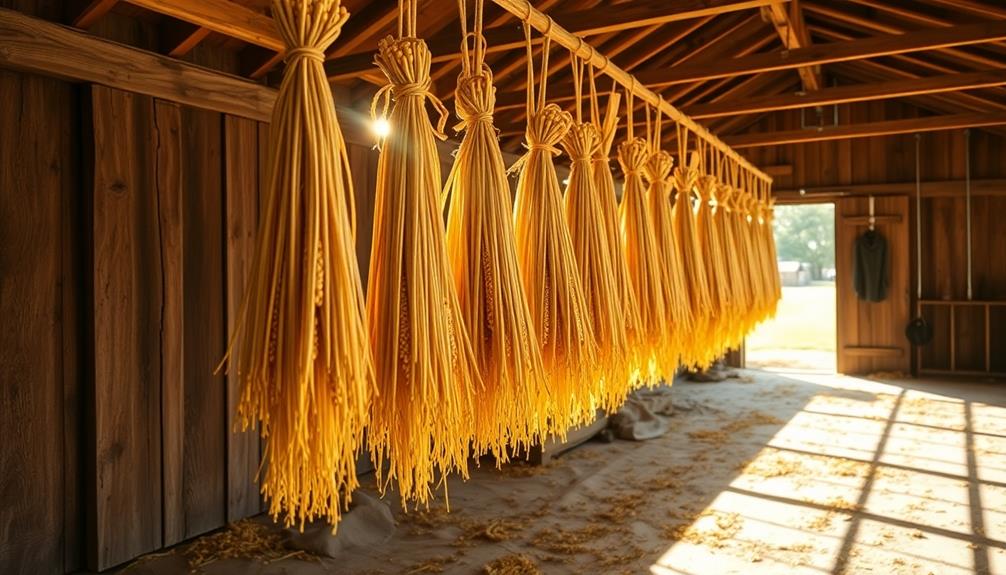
204	466
33	187
241	208
35	45
127	291
167	178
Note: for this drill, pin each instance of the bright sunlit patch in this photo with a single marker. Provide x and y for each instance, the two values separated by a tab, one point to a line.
381	127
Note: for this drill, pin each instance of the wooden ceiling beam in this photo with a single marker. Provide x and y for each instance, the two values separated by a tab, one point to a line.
445	46
852	93
873	25
974	8
93	12
179	39
872	47
870	129
792	30
223	16
41	47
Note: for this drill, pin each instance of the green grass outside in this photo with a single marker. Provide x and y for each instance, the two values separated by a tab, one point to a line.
805	320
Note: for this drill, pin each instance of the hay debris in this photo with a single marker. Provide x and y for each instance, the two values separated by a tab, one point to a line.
570	541
710	528
432	565
512	565
722	435
245	539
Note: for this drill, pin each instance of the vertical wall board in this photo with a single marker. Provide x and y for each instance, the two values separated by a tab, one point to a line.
241	209
73	251
31	378
204	465
167	177
127	318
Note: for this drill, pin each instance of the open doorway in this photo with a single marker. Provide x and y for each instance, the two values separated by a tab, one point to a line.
802	335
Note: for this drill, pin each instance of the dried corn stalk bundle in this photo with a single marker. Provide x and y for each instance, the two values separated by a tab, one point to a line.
300	346
509	411
642	258
593	258
425	368
698	351
657	173
548	263
605	184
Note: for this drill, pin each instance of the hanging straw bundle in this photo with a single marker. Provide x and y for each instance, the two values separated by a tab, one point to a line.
739	260
593	258
716	270
605	184
510	412
657	174
548	262
642	258
691	255
300	346
426	370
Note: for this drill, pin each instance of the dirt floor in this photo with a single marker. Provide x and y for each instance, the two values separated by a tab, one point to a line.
766	474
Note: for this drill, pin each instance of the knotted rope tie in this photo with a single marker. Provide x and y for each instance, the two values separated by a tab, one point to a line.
304	52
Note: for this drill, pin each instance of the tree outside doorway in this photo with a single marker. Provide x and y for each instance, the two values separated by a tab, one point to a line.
802	335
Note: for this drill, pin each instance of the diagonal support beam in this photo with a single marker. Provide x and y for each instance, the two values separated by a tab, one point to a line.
873	47
886	128
853	93
792	31
446	46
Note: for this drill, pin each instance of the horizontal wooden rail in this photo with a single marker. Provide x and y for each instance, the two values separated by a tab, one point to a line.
544	24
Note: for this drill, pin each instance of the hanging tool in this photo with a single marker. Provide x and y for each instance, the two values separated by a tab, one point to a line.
918	331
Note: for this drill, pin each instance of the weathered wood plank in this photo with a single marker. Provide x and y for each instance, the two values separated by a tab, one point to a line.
127	294
241	181
167	178
205	461
34	45
32	175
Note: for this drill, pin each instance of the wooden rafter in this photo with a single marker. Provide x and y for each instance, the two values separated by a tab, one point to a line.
870	129
871	47
974	8
900	72
445	47
872	25
853	93
223	16
93	12
179	39
790	26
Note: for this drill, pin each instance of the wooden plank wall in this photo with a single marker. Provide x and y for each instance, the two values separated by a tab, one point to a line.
877	160
39	349
891	160
175	207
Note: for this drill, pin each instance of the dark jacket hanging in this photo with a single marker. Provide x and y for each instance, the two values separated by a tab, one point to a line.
870	276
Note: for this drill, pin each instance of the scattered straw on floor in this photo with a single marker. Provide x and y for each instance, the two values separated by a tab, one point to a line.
723	434
512	565
243	539
711	528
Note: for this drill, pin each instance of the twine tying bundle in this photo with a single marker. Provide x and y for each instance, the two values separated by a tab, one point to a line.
426	370
300	346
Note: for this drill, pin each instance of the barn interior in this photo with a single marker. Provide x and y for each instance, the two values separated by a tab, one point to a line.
142	178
